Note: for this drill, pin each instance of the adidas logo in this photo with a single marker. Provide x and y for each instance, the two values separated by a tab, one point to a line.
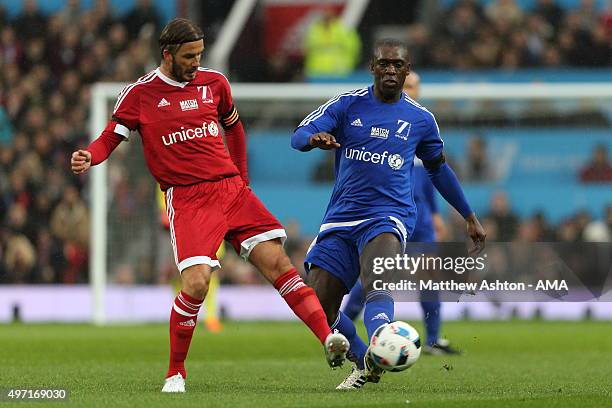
356	122
163	102
381	316
188	323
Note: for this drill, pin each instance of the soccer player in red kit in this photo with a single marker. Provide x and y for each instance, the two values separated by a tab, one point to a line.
177	109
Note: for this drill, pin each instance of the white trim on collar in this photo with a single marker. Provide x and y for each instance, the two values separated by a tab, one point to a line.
169	81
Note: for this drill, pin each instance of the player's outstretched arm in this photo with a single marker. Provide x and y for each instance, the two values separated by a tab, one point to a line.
446	182
96	152
324	141
305	141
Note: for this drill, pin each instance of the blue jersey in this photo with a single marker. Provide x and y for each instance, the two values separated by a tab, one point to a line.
374	163
425	200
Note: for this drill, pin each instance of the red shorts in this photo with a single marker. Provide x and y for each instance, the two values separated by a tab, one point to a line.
204	214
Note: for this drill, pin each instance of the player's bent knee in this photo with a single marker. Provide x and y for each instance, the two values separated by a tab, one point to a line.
271	260
283	263
195	280
278	266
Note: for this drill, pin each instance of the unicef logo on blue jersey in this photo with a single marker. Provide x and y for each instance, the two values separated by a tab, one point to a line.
396	161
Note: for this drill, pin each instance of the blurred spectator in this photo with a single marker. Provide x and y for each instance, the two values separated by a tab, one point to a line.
599	231
486	49
10	47
601	47
599	168
103	16
545	233
568	231
606	18
70	219
551	12
463	25
6	129
142	15
70	224
527	232
30	23
506	11
281	68
587	13
501	214
19	258
539	33
476	166
419	38
582	219
331	49
71	12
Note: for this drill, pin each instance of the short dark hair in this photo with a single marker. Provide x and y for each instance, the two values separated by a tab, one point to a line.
178	31
389	42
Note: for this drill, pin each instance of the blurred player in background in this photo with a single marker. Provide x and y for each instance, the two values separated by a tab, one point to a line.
212	322
177	108
429	227
376	132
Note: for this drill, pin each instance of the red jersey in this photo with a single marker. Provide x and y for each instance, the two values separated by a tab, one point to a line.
179	123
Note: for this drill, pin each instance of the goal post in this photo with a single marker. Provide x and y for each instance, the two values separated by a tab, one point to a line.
101	93
304	98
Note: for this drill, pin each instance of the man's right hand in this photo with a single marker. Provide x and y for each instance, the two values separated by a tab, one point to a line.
80	161
476	232
324	141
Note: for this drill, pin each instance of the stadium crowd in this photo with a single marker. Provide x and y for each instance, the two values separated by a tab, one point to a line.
48	64
469	35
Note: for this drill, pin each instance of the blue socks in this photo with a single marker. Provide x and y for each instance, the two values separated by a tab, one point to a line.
347	327
379	310
354	303
431	315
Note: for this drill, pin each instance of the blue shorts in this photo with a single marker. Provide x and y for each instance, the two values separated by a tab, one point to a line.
338	246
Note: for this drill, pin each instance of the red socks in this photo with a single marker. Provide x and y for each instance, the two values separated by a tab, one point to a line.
183	319
304	302
300	298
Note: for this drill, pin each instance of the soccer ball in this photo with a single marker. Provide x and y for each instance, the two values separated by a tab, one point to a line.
395	346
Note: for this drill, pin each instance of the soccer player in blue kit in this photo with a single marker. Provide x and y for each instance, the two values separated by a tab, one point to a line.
429	226
376	132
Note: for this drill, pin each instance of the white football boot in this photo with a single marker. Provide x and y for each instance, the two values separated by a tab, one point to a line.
336	347
176	383
355	380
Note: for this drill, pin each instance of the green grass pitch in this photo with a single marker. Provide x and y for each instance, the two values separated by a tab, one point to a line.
505	364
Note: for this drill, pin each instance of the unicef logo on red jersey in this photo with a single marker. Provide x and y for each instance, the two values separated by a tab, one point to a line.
213	129
207	129
395	161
